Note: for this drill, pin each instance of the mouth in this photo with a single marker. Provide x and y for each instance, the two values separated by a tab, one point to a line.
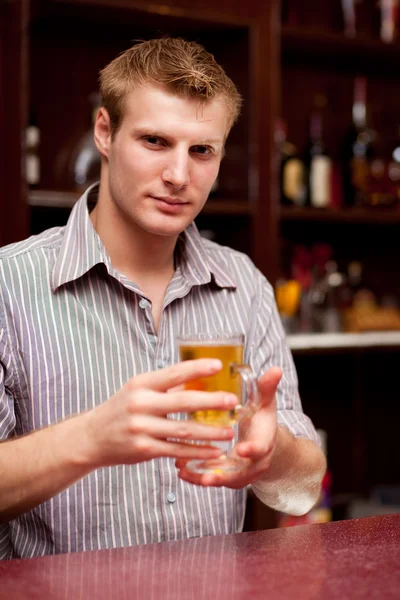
169	205
170	201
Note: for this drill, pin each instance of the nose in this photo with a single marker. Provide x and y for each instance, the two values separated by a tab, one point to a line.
176	171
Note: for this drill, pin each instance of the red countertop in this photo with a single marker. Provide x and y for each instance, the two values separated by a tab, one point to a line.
352	559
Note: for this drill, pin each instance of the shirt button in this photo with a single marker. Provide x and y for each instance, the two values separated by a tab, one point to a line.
161	364
171	497
143	303
152	339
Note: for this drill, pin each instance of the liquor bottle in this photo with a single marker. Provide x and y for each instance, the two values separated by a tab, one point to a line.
32	155
318	163
288	295
394	171
335	282
85	163
321	255
380	189
389	10
355	288
355	18
353	284
358	149
292	186
301	271
349	18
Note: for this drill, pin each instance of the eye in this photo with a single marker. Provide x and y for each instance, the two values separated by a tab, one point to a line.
153	140
202	150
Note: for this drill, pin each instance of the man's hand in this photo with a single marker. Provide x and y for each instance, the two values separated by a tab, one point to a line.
133	426
130	427
257	441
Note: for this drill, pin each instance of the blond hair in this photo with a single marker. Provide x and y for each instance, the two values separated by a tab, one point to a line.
181	67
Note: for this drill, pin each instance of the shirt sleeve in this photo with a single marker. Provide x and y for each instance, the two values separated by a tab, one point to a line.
7	426
268	347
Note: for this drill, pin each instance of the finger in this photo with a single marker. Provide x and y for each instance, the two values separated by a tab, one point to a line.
203	479
162	428
218	477
181	463
267	386
177	388
250	472
255	451
189	476
189	401
167	378
231	480
188	452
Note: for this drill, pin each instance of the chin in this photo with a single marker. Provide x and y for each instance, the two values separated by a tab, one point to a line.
164	230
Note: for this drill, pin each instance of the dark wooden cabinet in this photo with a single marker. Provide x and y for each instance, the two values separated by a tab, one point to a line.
318	59
50	55
14	20
346	392
60	47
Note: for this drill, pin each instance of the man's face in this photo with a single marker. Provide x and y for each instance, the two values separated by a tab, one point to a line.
164	159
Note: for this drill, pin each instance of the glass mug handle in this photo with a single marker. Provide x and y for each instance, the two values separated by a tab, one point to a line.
251	400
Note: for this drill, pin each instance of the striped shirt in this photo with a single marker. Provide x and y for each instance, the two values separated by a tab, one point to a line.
73	330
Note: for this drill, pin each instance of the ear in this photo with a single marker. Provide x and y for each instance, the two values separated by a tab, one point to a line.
102	131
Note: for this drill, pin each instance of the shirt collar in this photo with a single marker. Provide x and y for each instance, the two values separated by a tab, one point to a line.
81	249
198	263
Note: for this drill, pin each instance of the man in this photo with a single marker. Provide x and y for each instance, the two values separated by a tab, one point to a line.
92	403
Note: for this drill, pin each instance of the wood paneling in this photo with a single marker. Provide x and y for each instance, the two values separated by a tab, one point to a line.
13	109
263	185
226	10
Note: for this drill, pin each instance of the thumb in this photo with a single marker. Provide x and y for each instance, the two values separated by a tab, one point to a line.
267	386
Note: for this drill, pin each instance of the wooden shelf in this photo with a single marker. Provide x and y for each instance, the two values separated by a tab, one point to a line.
227	207
160	16
52	198
373	216
323	44
58	199
343	341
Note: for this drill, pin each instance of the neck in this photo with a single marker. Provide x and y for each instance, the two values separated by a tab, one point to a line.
134	252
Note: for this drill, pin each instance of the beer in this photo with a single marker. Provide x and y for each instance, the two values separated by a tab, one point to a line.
234	377
230	353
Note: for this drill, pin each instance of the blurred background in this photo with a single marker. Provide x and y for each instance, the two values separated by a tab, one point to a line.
309	187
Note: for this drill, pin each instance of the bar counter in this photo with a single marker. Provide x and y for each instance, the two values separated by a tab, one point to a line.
352	559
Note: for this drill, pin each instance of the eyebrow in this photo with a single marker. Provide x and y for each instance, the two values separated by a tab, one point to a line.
212	141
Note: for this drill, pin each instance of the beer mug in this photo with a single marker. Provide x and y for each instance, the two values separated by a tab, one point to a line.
235	377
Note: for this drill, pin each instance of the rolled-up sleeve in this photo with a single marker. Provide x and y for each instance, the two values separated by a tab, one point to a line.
7	426
268	347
